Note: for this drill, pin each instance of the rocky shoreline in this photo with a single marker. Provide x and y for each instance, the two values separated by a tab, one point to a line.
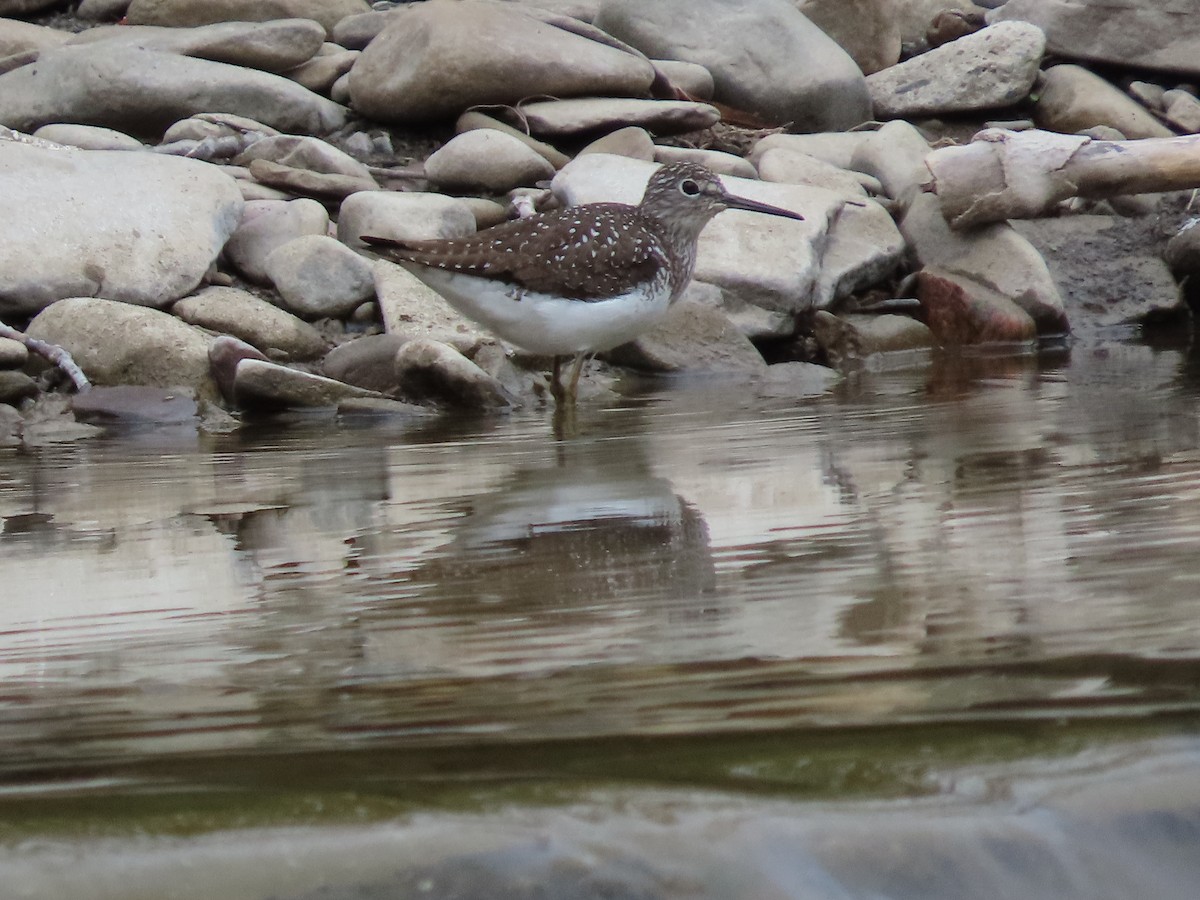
186	189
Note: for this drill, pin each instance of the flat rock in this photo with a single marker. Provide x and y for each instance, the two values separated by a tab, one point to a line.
322	71
487	160
319	277
215	125
367	361
102	10
141	92
306	182
88	137
564	118
473	119
18	37
402	216
274	46
1107	273
693	337
190	13
131	404
692	78
848	341
429	62
268	224
304	152
117	343
1182	110
356	31
632	141
268	386
992	68
129	226
428	370
715	160
793	167
864	247
1074	99
412	309
277	333
16	387
751	48
796	379
1142	34
895	155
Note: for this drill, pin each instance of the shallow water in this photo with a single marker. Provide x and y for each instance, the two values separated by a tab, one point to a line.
920	634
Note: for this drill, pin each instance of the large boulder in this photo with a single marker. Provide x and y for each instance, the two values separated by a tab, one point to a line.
1138	33
764	55
434	60
128	226
115	343
142	92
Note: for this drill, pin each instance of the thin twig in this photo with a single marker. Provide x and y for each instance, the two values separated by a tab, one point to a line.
52	352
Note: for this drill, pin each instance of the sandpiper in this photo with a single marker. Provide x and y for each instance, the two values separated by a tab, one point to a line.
580	280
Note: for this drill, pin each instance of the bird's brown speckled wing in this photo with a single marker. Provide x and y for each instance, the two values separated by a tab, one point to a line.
586	253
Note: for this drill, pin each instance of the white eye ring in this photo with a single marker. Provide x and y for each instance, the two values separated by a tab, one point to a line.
689	188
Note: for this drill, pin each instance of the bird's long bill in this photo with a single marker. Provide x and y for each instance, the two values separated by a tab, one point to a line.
749	205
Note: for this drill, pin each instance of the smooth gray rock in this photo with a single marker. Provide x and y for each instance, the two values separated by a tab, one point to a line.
693	338
868	30
1074	99
268	386
142	92
693	78
429	62
304	152
277	333
356	31
267	225
321	72
990	69
130	404
306	182
318	277
1182	110
716	160
412	309
1143	34
428	370
128	226
764	55
564	118
88	137
402	216
215	125
863	249
17	37
487	160
189	13
367	361
271	46
116	343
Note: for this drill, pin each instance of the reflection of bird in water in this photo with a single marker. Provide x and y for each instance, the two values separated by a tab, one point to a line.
556	536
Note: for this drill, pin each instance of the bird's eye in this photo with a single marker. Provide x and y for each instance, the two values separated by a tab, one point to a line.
689	187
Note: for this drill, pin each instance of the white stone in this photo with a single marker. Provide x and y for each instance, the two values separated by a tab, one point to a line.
485	159
127	226
402	216
267	225
992	68
319	277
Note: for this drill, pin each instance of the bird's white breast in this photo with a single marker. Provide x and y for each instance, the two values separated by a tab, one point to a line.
548	325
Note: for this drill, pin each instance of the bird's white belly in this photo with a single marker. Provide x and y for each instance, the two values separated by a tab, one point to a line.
551	326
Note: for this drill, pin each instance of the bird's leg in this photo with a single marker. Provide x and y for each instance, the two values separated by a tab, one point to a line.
576	370
557	391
